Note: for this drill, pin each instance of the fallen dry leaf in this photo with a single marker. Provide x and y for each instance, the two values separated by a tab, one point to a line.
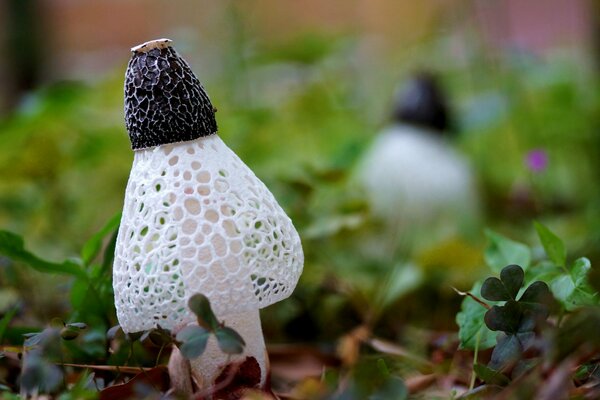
156	378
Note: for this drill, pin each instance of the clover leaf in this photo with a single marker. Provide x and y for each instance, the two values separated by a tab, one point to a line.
505	288
517	318
193	341
200	305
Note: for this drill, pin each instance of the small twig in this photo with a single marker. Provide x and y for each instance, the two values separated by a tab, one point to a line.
159	354
477	299
396	350
111	368
62	364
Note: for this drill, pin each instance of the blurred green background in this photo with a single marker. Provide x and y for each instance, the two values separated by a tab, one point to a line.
302	88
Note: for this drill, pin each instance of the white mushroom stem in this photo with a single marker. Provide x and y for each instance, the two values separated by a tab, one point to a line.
209	366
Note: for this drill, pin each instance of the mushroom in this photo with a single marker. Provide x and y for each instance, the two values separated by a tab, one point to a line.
196	219
411	173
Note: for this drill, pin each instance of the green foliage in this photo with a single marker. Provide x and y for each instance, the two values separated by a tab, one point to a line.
490	376
230	342
192	339
200	305
92	247
5	321
372	379
473	332
578	333
518	319
505	288
502	251
12	245
521	302
555	248
40	374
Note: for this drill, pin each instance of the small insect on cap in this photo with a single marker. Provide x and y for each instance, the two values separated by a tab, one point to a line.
164	101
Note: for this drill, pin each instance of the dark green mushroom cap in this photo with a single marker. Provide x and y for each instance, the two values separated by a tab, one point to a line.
164	101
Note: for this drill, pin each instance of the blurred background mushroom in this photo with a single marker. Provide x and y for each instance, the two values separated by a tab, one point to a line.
412	176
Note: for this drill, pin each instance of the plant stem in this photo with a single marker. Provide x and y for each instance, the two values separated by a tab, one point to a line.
473	375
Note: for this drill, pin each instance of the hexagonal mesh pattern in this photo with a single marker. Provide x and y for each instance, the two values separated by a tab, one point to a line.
197	219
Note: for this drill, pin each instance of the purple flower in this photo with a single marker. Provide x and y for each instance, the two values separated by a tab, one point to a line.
537	160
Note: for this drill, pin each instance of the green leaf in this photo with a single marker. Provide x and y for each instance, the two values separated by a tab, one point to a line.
193	341
493	289
554	247
40	376
524	366
13	247
579	331
502	251
537	292
84	298
508	351
581	297
133	336
573	290
544	271
490	376
392	388
112	332
57	323
383	368
402	279
579	271
230	341
92	247
160	336
32	339
200	305
5	321
69	332
505	288
109	253
562	287
504	318
512	277
537	301
472	330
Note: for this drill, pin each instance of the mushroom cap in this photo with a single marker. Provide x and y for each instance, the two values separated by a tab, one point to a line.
422	102
164	101
197	220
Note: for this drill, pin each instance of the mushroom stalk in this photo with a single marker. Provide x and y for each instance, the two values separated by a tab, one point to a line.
212	363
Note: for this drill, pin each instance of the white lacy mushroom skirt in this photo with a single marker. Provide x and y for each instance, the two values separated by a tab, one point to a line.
197	219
